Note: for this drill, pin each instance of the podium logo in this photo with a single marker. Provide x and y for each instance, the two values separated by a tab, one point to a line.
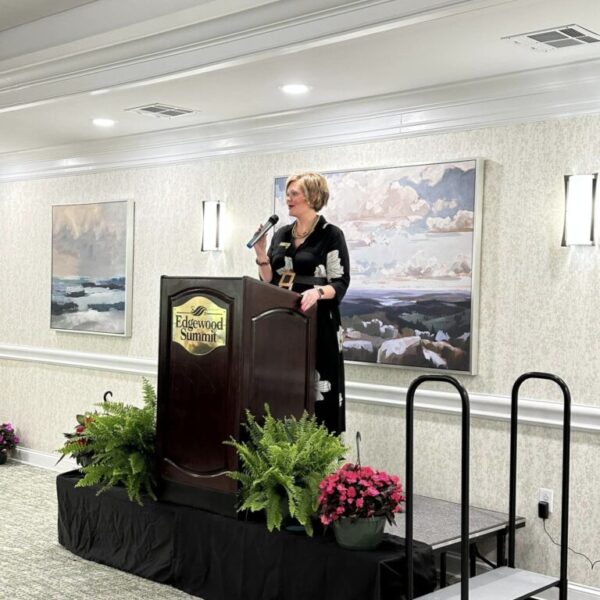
199	325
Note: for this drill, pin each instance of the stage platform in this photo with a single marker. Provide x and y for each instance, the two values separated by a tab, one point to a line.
219	558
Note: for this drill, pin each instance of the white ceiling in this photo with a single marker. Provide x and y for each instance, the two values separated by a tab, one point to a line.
225	60
17	12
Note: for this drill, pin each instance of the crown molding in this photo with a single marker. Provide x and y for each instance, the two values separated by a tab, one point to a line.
484	406
99	23
567	90
245	36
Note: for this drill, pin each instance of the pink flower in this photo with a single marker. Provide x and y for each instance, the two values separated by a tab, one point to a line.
355	491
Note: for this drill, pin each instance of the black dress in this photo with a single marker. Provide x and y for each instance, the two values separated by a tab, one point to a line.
323	254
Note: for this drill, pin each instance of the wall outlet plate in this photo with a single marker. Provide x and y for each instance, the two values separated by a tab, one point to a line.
547	495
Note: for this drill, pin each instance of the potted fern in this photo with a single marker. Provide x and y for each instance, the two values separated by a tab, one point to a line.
283	461
119	447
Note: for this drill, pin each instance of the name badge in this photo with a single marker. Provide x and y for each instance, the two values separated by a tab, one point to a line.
285	244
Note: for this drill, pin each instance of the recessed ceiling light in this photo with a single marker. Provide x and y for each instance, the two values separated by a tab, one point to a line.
294	88
99	92
102	122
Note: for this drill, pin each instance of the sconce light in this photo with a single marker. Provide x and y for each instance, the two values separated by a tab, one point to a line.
580	199
212	238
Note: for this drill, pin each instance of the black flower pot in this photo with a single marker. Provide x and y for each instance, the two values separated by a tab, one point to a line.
3	456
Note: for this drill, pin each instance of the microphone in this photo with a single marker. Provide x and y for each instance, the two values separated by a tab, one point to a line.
268	225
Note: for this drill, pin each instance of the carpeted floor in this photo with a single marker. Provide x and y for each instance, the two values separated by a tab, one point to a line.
32	563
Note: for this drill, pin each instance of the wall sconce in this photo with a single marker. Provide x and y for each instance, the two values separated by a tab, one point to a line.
580	200
212	218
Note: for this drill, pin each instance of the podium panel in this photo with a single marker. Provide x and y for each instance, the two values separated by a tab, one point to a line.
226	345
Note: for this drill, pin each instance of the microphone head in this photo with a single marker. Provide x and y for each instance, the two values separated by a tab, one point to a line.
273	219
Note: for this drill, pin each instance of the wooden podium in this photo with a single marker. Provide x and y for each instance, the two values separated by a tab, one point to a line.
226	345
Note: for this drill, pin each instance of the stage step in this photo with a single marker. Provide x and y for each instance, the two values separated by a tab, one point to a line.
503	583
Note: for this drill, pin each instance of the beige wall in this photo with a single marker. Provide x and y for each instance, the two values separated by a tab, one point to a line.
539	304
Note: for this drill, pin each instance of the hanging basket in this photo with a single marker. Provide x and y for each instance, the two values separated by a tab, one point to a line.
361	534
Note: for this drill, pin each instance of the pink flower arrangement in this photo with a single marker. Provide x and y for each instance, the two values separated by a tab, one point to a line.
359	492
8	438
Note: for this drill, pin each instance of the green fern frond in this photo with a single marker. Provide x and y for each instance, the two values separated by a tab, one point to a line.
121	442
282	463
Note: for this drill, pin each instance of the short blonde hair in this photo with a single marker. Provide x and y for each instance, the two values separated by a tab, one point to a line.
314	187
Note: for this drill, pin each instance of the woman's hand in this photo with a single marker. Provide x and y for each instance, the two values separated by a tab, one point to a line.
309	298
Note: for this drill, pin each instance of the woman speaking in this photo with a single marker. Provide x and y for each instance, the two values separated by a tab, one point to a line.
310	256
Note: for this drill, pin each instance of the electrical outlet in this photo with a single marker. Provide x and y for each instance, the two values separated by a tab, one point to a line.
546	495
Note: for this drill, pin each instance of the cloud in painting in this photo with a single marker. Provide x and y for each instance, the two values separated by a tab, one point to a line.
364	201
423	266
443	205
461	221
89	240
420	266
433	174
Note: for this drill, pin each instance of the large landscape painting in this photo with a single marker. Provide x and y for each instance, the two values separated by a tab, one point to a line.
91	267
413	236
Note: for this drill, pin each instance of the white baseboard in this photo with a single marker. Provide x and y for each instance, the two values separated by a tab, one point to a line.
44	460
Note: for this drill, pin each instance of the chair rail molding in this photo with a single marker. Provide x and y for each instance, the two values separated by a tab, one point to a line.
484	406
86	360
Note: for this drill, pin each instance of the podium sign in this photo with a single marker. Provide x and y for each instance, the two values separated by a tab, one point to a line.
226	345
199	325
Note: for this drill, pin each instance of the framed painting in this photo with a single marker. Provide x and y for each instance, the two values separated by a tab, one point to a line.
92	258
414	236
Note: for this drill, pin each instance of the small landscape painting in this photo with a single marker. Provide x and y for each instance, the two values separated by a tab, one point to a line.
413	233
92	248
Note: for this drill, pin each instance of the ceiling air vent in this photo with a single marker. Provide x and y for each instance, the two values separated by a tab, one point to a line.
161	111
557	37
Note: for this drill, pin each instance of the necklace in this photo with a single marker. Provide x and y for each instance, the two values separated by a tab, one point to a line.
298	236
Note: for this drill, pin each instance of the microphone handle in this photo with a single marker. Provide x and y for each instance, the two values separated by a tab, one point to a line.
262	231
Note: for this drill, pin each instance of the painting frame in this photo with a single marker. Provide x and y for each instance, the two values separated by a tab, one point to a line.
127	249
478	166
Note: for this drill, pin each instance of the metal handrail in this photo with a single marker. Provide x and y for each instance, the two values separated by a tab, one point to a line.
464	493
564	517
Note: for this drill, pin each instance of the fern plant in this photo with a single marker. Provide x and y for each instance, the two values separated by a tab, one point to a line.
120	441
283	462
